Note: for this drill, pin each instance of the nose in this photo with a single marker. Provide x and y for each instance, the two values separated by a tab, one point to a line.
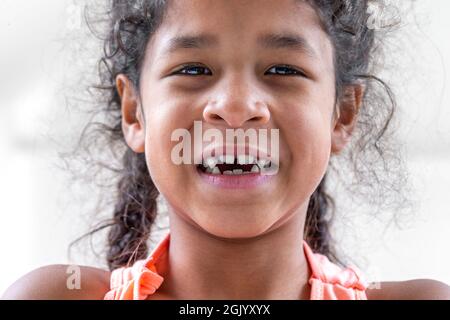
236	106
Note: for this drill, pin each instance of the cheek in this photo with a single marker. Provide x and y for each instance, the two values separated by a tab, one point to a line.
162	120
308	135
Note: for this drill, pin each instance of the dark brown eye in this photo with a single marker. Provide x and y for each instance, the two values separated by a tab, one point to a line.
286	71
194	70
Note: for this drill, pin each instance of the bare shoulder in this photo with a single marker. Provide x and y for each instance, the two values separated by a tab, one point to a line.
60	282
418	289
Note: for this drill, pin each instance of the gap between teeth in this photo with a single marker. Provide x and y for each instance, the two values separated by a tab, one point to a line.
242	160
235	172
210	164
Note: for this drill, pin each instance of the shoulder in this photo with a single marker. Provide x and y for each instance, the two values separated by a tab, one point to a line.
418	289
60	282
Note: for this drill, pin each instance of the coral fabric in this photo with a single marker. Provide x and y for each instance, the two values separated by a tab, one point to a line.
328	281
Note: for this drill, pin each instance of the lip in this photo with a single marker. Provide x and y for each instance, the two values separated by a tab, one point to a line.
247	181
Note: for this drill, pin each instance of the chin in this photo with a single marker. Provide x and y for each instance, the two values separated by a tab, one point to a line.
229	224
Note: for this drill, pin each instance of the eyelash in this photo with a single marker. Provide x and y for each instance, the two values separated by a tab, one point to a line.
185	67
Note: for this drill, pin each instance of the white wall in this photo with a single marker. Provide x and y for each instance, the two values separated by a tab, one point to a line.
41	212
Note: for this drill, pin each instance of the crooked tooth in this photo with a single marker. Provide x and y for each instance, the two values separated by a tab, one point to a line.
270	169
238	171
263	162
216	170
255	169
210	162
268	165
209	170
229	159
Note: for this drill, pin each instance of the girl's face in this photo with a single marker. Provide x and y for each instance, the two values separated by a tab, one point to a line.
259	64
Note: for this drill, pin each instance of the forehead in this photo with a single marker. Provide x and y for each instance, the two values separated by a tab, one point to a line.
240	22
236	14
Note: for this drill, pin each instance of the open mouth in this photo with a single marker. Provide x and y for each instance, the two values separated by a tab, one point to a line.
235	166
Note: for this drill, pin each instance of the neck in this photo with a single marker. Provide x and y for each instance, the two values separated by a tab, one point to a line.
271	266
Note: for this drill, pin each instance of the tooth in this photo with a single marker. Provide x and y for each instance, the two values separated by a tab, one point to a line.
229	159
210	162
250	159
242	159
216	170
270	168
262	163
221	159
246	159
255	169
238	171
209	170
228	172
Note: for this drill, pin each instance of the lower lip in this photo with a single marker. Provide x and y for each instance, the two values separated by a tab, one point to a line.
246	181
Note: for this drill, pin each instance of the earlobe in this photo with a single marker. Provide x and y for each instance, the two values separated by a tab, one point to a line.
344	125
132	118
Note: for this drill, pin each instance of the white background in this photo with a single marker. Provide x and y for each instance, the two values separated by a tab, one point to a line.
41	211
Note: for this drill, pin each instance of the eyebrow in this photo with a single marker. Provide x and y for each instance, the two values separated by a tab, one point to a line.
191	42
269	41
287	41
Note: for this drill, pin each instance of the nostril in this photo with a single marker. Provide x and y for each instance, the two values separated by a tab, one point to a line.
256	119
210	115
215	117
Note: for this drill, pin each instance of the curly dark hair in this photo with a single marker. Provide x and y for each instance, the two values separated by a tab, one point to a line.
369	160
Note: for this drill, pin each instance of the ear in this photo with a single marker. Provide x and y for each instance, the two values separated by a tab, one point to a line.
132	118
345	121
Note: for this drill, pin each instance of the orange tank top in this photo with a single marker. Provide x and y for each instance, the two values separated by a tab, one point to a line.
328	281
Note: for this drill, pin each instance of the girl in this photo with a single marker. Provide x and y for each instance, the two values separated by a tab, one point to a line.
299	70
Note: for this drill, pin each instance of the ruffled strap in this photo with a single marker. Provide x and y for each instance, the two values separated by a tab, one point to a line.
140	280
330	282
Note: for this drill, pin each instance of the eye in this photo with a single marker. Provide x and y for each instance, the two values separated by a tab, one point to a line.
193	70
285	70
